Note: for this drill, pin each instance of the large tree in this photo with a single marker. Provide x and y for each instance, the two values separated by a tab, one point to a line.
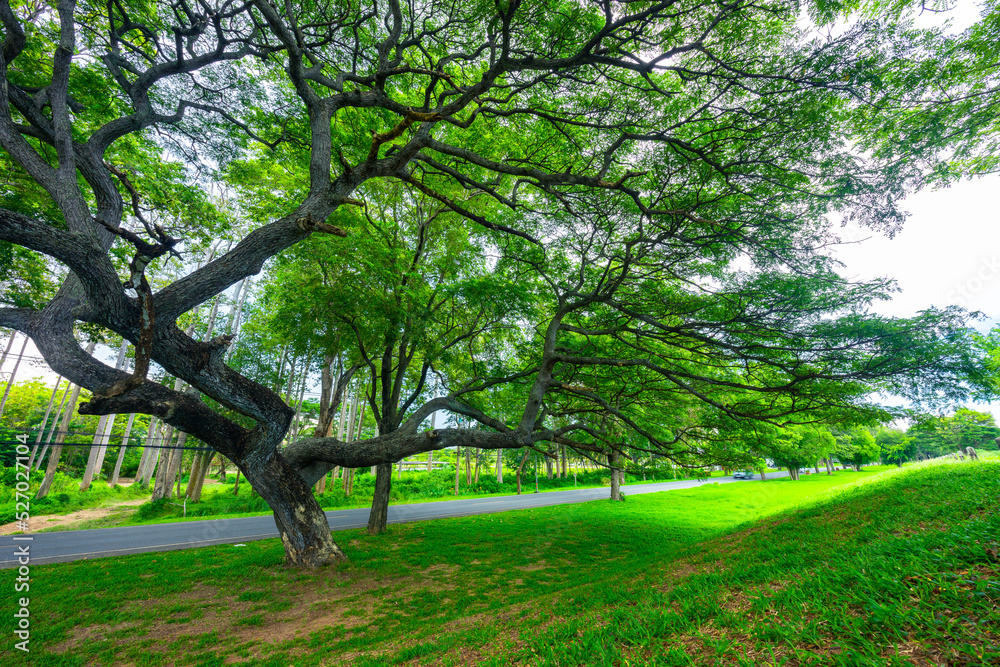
686	138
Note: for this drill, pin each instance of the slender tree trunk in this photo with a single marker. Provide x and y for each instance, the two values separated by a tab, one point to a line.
88	472
196	462
519	469
199	481
380	501
6	349
146	451
96	462
178	474
50	471
54	427
10	382
548	468
562	450
45	420
167	470
499	466
430	454
121	451
458	466
236	486
153	462
614	459
479	454
468	467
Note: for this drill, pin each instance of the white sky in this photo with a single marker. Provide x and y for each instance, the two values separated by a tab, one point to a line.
948	252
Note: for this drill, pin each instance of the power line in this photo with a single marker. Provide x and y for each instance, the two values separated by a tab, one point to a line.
91	445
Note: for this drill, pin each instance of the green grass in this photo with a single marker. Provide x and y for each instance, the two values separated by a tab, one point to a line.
65	496
870	568
219	501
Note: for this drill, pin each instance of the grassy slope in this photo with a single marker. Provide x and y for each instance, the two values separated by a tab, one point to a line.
902	570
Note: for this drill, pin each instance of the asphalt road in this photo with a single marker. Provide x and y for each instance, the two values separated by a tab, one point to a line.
64	546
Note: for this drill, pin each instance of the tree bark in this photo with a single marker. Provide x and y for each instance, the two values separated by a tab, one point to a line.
121	451
88	472
458	465
499	466
613	461
45	420
380	501
301	522
519	469
194	492
55	423
146	452
50	471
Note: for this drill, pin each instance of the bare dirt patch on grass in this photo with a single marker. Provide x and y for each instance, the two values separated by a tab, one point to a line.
73	519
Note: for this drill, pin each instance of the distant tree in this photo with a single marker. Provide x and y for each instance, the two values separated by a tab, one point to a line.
934	436
896	446
857	447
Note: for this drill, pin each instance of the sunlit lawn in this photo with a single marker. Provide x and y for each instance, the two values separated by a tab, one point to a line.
902	568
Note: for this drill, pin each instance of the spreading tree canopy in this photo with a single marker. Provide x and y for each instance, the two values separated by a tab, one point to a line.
656	177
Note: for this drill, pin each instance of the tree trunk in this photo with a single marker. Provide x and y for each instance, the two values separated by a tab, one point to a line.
181	441
616	492
10	344
519	469
10	382
121	451
468	467
562	449
54	427
194	493
88	472
50	471
458	466
479	455
548	468
164	484
166	454
153	463
793	472
196	463
97	451
499	466
301	522
380	501
45	420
